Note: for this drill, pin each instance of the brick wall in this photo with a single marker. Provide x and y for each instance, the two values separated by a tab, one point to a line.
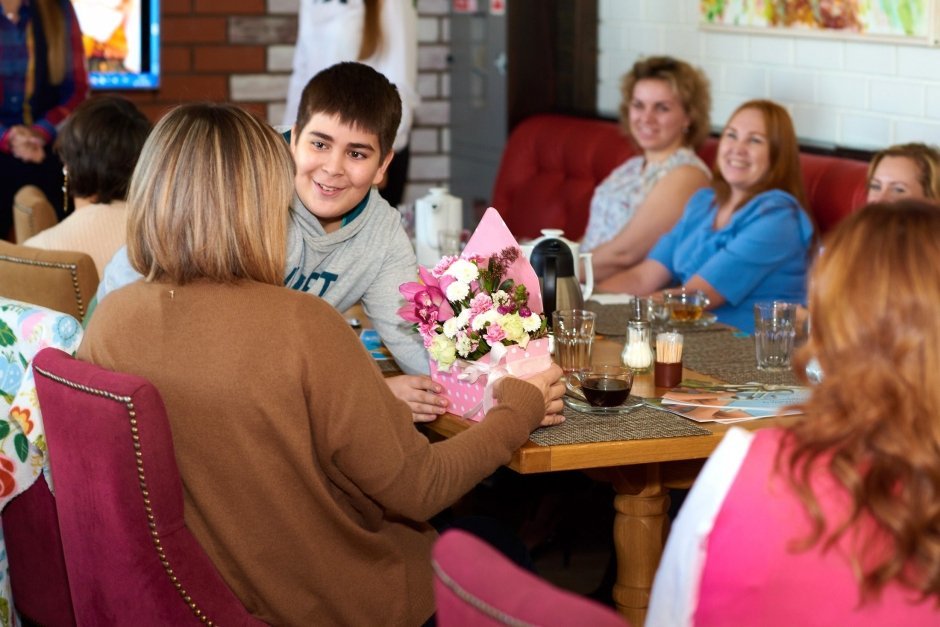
241	51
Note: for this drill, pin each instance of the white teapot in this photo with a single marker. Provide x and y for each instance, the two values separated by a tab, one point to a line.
436	214
587	281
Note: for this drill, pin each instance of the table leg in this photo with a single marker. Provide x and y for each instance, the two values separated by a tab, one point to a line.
640	528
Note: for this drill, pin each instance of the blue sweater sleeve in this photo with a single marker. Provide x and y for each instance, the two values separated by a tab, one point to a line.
766	233
665	249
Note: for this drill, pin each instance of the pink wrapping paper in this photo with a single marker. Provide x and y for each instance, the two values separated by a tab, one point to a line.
469	399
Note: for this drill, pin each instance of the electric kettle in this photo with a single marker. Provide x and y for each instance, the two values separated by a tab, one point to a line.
581	260
554	264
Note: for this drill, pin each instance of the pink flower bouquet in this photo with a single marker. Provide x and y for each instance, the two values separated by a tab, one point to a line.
480	316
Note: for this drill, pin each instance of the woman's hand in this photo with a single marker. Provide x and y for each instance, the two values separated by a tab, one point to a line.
552	387
641	280
26	144
422	395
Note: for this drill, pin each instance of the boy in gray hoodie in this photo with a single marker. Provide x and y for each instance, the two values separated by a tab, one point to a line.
345	242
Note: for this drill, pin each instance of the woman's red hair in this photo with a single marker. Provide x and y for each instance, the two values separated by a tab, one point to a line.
873	422
784	172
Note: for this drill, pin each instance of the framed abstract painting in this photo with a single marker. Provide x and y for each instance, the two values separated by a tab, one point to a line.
899	21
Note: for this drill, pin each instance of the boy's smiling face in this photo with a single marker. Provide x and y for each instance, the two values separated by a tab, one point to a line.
336	166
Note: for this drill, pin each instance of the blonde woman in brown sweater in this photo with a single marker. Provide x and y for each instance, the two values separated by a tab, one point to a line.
305	479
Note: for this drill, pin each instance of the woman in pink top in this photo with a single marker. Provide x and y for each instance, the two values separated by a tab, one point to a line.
835	520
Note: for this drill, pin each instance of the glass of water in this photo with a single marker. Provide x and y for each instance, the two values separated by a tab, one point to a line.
574	338
774	334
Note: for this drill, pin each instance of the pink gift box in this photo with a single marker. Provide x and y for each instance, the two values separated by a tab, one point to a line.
467	398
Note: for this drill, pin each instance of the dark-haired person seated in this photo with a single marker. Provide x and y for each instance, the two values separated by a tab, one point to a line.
304	477
746	238
905	171
833	521
99	145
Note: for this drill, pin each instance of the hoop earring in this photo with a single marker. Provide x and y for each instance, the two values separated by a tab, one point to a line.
65	189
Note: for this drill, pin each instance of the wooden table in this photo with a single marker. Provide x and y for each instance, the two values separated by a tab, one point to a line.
641	472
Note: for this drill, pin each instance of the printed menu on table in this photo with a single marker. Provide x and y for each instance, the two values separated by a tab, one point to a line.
710	402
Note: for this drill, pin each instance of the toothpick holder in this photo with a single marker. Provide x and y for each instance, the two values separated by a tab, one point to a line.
667	371
667	374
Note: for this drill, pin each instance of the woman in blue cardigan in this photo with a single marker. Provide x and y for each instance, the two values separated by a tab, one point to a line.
747	237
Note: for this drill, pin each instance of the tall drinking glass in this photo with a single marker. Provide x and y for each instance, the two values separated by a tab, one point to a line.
774	334
574	337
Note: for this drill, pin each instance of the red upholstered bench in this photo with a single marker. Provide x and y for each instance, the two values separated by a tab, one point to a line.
552	163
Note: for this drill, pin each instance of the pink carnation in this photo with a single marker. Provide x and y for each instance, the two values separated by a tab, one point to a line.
442	265
481	303
427	331
495	334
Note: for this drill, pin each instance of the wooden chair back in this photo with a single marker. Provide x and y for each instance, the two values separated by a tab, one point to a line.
32	213
61	280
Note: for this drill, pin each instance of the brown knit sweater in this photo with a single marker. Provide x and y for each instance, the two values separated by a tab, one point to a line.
303	476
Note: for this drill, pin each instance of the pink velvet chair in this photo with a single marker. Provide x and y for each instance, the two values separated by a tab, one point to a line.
129	555
34	550
476	585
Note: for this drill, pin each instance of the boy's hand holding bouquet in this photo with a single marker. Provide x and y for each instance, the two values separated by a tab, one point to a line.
480	315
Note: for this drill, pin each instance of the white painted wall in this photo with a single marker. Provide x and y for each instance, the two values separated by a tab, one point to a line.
844	93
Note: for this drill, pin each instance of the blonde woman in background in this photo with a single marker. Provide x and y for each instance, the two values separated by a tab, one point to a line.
664	112
380	33
905	171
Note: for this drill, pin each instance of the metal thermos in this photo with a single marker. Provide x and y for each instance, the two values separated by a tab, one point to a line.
554	264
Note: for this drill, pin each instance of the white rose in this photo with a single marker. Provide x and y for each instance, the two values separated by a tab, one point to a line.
451	327
464	271
457	291
487	317
531	323
463	318
512	325
443	352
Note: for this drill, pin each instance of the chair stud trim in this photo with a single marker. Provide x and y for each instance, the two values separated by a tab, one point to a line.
476	602
71	267
128	403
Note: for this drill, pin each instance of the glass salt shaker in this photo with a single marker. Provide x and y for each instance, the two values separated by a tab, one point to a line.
637	352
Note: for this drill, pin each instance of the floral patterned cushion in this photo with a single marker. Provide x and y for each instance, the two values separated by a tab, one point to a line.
24	330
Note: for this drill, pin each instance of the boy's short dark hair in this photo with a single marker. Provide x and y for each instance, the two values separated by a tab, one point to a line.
99	144
360	96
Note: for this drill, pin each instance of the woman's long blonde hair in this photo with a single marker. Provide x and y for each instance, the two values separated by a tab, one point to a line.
874	420
209	198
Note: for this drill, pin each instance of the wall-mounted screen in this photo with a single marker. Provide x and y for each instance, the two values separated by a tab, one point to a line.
122	42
